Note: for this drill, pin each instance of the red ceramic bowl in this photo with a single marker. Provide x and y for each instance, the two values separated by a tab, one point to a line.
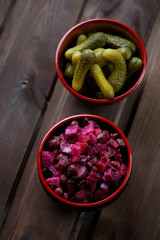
59	128
108	26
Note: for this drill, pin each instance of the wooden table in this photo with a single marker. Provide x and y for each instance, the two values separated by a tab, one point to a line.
32	99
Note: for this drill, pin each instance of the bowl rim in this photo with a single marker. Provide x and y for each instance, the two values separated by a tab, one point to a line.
74	204
101	20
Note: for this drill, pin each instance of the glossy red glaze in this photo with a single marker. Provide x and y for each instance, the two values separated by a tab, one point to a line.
84	206
100	24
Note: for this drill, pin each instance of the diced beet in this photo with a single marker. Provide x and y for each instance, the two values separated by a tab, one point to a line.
111	152
75	159
83	146
81	195
93	139
118	157
103	136
55	152
92	161
76	150
98	146
47	159
94	168
116	176
91	180
99	195
71	187
88	129
115	165
97	131
53	181
71	130
114	135
91	150
83	138
105	159
123	169
103	147
62	139
57	167
101	165
72	149
95	175
81	184
103	150
67	148
91	188
54	171
113	143
121	142
63	162
108	175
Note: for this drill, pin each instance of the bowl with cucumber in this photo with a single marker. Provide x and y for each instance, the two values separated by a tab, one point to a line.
101	60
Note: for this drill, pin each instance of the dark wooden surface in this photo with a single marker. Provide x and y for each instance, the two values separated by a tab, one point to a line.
32	99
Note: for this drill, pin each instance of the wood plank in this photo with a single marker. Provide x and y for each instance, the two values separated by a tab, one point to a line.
6	7
27	74
136	214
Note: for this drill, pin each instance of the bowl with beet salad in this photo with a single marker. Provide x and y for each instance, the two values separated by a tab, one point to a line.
84	162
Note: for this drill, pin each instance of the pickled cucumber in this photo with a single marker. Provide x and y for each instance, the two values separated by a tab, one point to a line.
133	65
99	58
105	87
81	38
69	70
117	42
118	74
126	52
86	60
94	41
75	57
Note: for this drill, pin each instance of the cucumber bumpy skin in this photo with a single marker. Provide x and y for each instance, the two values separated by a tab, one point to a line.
86	60
118	74
105	87
133	65
94	41
117	42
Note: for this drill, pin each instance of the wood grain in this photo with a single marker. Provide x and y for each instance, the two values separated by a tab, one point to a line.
6	7
136	214
27	74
